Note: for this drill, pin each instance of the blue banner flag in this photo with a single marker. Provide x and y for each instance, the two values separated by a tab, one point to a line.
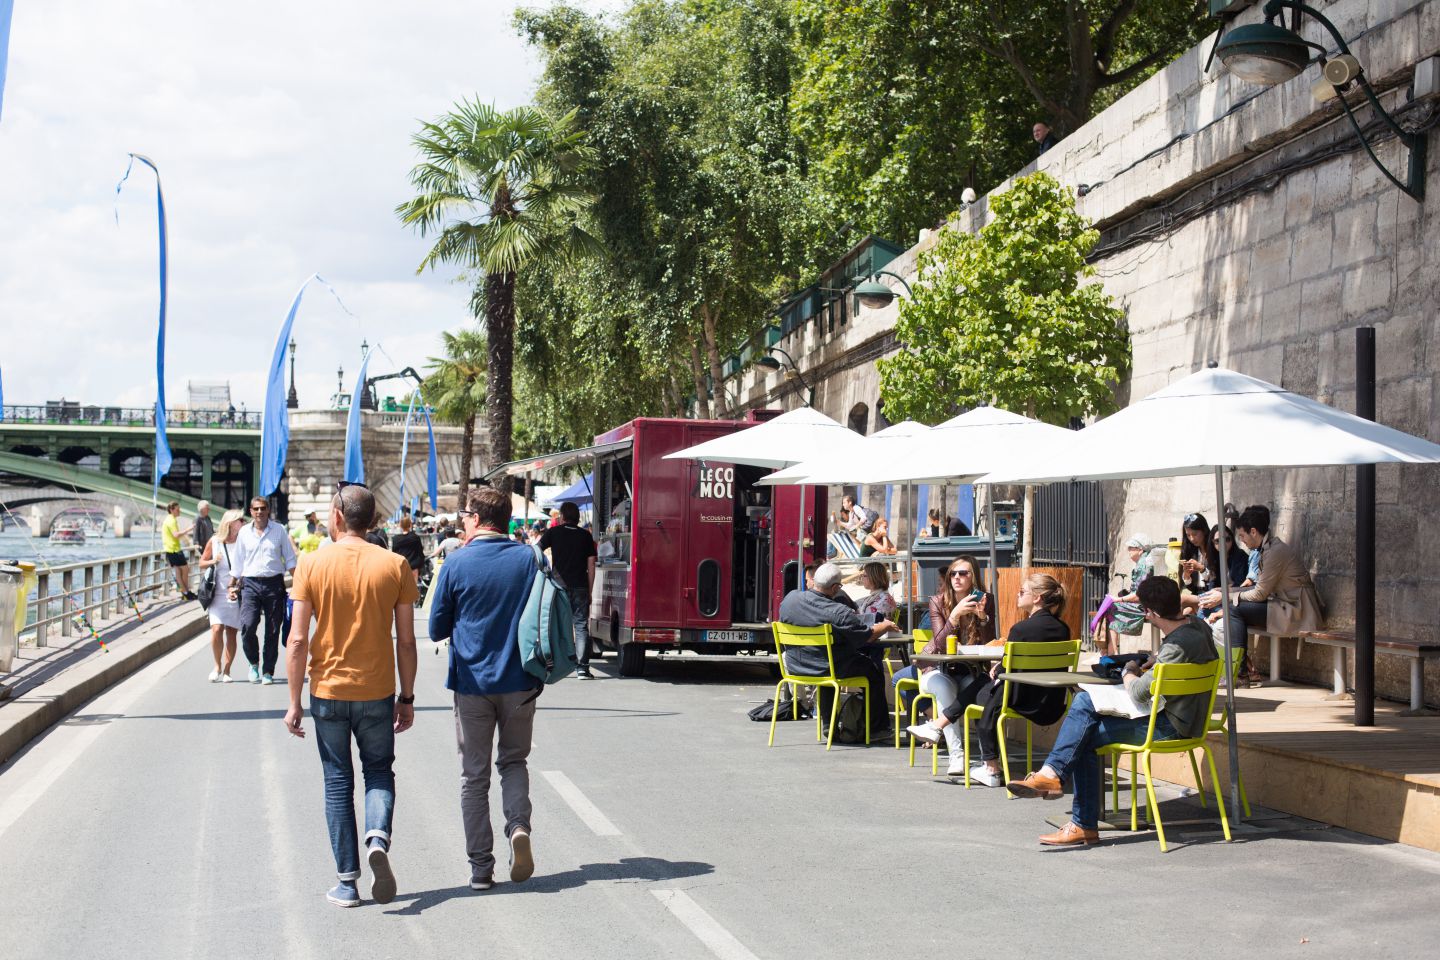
354	458
432	476
6	6
275	427
415	506
162	439
922	509
404	453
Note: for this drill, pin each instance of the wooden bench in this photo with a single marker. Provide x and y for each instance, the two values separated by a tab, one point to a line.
1257	635
1416	650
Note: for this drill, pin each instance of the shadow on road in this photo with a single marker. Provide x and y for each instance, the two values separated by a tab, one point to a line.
91	719
628	870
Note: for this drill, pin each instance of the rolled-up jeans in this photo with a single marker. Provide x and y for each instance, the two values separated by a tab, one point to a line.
479	722
1083	731
372	724
580	615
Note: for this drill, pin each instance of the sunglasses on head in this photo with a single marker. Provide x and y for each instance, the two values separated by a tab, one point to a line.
350	483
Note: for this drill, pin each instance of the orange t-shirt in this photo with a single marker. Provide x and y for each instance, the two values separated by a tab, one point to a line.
354	589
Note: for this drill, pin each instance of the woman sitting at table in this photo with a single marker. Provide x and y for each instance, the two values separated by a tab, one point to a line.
877	604
962	611
1125	614
1198	557
878	540
1041	600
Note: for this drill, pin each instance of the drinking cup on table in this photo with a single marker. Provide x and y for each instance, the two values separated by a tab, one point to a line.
950	646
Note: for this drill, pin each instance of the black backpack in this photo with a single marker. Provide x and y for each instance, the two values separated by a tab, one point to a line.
764	711
850	719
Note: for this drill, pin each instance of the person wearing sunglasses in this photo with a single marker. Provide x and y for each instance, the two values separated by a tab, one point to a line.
964	612
263	555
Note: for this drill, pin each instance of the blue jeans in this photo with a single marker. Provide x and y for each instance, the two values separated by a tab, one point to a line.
1080	735
907	696
580	616
372	723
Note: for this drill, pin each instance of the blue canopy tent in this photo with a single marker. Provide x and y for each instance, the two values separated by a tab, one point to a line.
578	493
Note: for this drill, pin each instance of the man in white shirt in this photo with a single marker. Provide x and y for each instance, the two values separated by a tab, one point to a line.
263	555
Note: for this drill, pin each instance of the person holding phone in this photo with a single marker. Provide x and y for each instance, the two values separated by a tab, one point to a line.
961	614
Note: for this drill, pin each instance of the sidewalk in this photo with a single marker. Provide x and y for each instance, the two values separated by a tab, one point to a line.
50	682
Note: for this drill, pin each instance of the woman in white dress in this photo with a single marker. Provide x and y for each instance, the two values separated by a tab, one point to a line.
224	609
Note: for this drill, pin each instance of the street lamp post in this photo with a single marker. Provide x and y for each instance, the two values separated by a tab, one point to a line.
871	293
293	401
790	369
1268	53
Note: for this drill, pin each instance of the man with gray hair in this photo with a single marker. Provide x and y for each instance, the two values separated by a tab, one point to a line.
813	608
204	528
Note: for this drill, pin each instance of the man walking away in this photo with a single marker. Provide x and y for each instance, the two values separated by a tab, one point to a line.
170	534
407	544
572	554
479	596
263	555
204	529
355	593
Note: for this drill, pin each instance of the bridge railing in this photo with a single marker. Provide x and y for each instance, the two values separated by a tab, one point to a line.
85	415
100	590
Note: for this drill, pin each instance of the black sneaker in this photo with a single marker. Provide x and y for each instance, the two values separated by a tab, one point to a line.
482	883
582	672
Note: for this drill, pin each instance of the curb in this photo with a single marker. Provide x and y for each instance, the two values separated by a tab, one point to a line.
39	709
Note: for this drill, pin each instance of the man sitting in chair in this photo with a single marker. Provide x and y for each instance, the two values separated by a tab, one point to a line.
1186	641
822	605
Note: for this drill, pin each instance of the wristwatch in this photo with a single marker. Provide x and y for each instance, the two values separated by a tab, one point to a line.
406	700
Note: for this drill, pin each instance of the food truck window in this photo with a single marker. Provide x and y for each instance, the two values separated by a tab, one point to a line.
612	509
707	587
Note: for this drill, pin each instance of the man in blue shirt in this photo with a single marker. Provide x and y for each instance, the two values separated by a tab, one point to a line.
479	597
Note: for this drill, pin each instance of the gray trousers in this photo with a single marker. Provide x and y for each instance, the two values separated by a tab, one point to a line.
477	722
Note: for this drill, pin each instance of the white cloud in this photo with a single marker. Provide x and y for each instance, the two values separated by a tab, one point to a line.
282	130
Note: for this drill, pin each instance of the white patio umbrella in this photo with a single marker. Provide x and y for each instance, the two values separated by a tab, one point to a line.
1231	422
800	434
843	464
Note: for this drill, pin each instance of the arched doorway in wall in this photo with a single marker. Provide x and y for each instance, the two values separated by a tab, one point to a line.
132	463
859	419
187	474
81	457
230	479
28	450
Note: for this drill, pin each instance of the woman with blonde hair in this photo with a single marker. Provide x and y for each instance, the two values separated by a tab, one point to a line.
225	608
877	604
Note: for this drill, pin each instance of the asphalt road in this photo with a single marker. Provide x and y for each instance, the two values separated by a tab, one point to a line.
173	818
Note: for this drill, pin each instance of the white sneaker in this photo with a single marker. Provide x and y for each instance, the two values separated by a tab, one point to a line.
957	767
214	676
924	731
226	678
983	774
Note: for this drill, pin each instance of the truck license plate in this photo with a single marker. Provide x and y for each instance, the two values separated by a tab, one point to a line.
729	636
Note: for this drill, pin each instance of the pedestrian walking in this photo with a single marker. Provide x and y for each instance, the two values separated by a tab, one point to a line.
407	544
204	529
572	557
225	606
170	534
478	598
355	593
263	555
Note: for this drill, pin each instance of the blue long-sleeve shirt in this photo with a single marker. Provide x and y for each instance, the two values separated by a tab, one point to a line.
479	596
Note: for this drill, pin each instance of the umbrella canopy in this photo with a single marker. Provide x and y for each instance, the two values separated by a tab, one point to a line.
800	434
580	493
1231	422
963	448
845	464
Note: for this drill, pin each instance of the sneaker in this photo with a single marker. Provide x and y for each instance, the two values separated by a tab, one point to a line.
226	678
522	864
267	679
382	877
254	674
924	731
583	673
983	774
957	767
482	883
344	894
214	676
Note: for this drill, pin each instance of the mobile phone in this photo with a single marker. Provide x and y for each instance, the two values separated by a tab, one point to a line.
977	593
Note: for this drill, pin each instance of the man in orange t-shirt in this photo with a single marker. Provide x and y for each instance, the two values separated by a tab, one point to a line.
355	591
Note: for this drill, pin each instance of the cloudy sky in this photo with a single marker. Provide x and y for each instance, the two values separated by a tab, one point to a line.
282	130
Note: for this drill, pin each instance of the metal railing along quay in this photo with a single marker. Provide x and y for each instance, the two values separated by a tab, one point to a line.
92	415
98	589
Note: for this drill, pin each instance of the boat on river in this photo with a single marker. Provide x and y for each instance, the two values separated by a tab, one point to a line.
67	532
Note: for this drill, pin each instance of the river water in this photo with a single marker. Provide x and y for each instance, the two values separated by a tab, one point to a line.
17	544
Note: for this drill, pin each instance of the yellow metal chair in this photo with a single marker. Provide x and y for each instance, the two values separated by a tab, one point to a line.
1020	657
1171	680
787	635
922	637
1216	725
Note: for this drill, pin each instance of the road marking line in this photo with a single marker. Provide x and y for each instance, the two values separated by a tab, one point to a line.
581	804
705	927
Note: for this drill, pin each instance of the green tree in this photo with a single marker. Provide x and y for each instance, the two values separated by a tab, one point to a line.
1003	317
502	190
455	388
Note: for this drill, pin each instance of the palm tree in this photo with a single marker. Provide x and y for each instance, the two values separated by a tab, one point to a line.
502	189
455	389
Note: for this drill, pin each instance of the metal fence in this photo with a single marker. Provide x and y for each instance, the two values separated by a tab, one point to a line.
76	414
1070	530
98	589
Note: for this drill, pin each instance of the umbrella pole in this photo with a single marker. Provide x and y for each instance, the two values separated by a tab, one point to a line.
990	528
1232	736
800	546
909	557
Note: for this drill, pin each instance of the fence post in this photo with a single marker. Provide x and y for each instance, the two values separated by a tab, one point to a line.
67	584
42	606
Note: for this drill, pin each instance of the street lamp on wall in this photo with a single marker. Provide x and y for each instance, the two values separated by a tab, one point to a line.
293	401
773	362
1268	53
871	293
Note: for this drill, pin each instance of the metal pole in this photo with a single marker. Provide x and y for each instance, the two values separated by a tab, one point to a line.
1365	538
910	558
990	527
1231	733
800	545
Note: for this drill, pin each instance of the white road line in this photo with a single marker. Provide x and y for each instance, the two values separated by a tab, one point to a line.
578	802
705	927
66	744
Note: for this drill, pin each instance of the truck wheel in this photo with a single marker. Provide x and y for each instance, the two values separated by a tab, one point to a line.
632	660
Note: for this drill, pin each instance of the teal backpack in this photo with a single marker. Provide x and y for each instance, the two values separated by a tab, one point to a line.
547	628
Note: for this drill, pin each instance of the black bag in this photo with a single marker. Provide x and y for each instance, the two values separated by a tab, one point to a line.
763	712
1112	667
851	719
205	592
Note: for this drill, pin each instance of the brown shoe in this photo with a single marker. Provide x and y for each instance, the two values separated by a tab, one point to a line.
1036	785
1071	835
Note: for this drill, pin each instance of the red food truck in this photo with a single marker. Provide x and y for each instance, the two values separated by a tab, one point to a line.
692	555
